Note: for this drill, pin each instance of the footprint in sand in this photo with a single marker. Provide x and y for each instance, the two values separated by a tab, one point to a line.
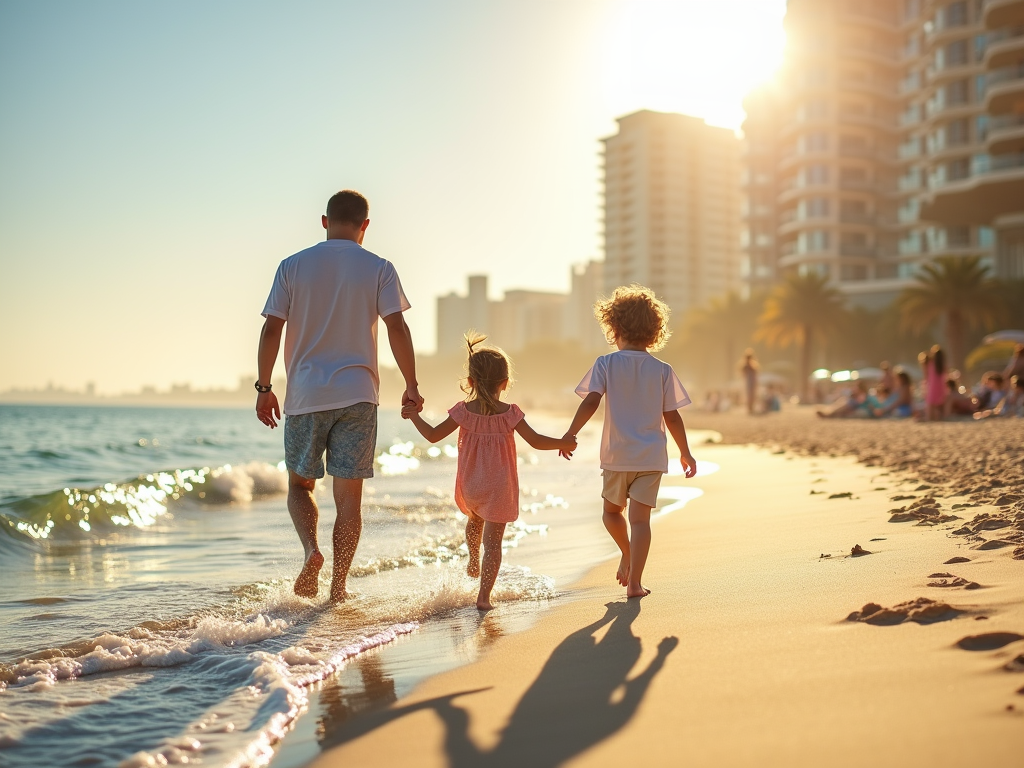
949	580
843	495
922	610
989	641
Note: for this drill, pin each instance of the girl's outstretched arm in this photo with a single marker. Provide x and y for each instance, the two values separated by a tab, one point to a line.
583	414
543	442
674	422
430	434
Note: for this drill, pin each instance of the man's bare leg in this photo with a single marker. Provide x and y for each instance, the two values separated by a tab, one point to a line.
639	547
615	524
348	526
302	508
493	533
474	531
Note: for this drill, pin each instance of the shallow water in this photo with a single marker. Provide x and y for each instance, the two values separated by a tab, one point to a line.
148	557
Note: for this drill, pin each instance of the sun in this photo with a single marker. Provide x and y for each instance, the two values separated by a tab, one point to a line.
691	56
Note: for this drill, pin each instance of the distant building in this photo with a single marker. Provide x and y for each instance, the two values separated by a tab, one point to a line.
671	208
523	317
893	135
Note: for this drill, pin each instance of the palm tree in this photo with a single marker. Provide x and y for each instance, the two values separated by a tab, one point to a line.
722	330
957	291
801	309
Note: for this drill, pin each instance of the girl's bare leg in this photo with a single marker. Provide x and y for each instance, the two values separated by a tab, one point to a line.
492	536
474	530
615	524
639	547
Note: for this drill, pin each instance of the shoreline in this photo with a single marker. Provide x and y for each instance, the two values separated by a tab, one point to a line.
730	602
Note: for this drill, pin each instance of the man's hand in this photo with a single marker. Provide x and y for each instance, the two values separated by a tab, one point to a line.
411	398
267	409
566	453
689	464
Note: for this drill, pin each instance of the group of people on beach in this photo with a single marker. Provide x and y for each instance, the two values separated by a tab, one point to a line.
326	300
939	394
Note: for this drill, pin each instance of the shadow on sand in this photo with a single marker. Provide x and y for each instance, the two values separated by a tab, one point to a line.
581	697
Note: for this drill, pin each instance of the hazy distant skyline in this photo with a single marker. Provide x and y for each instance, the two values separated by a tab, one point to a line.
159	160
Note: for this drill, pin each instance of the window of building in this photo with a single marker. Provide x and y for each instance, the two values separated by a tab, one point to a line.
955	54
852	175
852	143
853	210
979	87
813	240
815	109
986	237
816	174
956	92
958	237
816	142
849	272
815	208
980	43
958	169
956	14
958	132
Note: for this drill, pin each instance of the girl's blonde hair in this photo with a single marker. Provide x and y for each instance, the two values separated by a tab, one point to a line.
486	368
634	315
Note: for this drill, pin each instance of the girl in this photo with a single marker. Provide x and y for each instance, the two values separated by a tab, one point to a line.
487	482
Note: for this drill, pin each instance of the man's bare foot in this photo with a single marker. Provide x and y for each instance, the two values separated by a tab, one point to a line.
638	591
484	605
306	583
622	575
473	568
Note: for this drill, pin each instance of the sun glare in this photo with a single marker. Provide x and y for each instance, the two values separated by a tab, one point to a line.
691	56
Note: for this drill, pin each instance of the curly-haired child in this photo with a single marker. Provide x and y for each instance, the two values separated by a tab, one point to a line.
643	395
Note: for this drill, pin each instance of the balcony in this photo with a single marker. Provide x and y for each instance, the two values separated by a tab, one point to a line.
858	251
860	219
1006	134
1004	88
1005	48
1004	13
994	188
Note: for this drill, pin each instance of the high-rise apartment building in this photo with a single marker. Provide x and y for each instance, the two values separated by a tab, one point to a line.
671	208
877	139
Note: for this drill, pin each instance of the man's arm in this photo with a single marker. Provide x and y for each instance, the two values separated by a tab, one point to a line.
400	339
267	408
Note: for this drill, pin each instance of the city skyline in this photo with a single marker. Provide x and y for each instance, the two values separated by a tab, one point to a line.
160	162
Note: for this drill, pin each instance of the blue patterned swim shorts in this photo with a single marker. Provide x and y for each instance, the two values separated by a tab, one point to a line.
348	435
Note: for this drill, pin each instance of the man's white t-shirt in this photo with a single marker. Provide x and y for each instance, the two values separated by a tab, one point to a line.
638	388
331	296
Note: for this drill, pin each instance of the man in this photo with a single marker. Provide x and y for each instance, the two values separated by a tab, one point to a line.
330	296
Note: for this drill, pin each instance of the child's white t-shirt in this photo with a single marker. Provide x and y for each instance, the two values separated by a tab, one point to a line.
638	388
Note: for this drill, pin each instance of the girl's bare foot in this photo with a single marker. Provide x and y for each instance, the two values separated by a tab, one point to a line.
638	591
306	583
484	605
622	575
473	568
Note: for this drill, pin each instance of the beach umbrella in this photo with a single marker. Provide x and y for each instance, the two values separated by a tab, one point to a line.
996	352
1013	337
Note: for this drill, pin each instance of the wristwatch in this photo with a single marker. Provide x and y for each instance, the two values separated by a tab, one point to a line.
261	388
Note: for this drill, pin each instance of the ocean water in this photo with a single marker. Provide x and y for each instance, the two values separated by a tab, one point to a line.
148	557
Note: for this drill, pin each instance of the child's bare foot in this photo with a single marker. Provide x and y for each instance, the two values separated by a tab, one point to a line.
473	567
622	575
484	605
637	591
339	595
306	582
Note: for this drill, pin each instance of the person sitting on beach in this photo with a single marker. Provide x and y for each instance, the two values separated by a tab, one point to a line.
989	391
331	296
1010	405
853	404
1016	365
958	403
900	403
487	479
643	398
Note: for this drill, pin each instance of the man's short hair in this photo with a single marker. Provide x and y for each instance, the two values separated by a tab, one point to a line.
348	207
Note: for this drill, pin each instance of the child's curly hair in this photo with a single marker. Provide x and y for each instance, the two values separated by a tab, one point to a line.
634	315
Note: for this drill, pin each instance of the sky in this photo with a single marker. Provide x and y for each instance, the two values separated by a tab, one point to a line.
158	159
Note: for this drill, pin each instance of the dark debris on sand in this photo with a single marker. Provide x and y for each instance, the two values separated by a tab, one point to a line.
982	460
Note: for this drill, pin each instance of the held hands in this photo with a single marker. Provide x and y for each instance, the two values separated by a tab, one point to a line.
568	446
689	464
411	402
267	409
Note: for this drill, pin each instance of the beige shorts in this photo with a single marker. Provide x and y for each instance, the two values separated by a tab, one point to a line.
639	486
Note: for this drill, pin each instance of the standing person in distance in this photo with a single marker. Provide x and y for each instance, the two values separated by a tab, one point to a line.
643	397
330	297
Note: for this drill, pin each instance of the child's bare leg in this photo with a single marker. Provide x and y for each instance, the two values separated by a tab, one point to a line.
639	546
304	512
492	536
474	530
615	524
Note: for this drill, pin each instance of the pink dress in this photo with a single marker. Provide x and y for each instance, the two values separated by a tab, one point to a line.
487	481
935	385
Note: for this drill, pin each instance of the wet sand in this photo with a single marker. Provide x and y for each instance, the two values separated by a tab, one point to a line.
795	619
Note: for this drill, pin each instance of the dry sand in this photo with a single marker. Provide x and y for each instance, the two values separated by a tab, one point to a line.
765	641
